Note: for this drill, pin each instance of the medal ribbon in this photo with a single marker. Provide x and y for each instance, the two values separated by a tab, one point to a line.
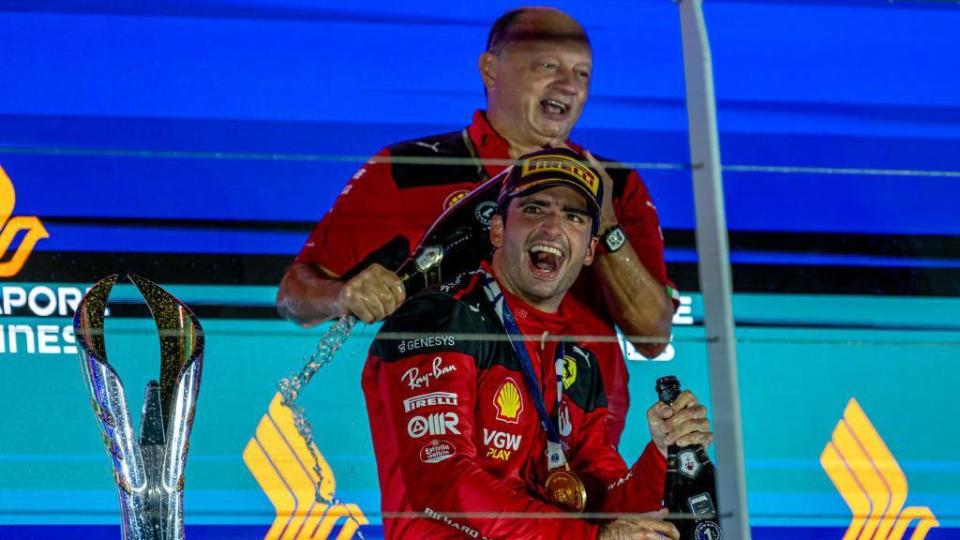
555	456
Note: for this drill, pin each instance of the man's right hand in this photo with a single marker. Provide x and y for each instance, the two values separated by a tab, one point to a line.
650	528
372	295
684	422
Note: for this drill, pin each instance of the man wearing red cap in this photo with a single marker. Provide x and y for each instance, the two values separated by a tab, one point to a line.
486	400
536	73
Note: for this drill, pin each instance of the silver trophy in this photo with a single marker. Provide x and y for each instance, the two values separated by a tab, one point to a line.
148	470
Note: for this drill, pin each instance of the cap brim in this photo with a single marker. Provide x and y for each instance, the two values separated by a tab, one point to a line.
546	183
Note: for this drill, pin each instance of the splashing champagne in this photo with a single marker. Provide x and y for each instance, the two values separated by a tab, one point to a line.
291	387
456	242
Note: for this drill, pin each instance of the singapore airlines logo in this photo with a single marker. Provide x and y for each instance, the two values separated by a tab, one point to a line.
279	459
508	402
10	227
871	482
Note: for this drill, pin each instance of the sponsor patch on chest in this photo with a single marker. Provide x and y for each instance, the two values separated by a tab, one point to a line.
414	378
433	424
500	445
429	400
508	401
409	345
437	450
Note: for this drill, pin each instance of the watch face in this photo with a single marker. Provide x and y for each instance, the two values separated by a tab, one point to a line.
615	239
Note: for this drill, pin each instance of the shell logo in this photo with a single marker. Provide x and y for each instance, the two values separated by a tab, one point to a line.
10	227
509	402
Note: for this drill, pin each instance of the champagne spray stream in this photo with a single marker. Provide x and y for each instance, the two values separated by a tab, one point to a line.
292	387
456	243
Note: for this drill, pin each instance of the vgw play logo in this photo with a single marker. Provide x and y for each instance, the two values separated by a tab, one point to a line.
871	481
10	228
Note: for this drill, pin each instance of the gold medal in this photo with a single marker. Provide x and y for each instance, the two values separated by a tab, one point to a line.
564	489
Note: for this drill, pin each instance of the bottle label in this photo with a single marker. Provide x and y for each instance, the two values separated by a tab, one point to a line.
707	530
702	504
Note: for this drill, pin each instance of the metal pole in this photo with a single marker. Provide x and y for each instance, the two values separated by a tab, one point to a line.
714	269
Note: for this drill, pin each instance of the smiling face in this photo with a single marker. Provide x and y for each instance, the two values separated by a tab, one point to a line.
542	245
538	81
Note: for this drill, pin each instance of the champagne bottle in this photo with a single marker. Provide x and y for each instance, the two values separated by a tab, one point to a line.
689	490
456	242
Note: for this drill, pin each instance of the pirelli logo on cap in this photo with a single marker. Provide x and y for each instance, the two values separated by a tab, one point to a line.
562	164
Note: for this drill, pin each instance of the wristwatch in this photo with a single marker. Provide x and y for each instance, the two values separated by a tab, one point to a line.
613	239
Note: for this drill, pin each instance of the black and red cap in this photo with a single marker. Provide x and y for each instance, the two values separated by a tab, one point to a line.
553	167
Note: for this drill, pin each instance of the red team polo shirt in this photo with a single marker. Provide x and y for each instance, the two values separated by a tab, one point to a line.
388	205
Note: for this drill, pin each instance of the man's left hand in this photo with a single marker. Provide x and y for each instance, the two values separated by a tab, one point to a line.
684	422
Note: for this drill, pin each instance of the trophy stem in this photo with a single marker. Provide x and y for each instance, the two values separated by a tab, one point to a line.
152	450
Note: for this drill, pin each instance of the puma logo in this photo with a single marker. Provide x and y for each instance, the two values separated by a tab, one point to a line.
435	146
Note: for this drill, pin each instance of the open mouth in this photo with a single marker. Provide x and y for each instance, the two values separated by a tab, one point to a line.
554	109
545	260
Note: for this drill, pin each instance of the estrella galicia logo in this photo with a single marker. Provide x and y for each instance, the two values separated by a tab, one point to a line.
10	228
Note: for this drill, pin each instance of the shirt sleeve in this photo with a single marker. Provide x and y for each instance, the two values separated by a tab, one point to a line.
639	219
364	218
642	489
611	486
428	392
616	379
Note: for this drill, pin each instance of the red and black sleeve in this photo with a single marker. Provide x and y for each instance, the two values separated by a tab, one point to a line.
364	217
612	487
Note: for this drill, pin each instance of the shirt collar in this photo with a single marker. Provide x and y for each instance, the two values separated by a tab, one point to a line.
530	319
490	145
